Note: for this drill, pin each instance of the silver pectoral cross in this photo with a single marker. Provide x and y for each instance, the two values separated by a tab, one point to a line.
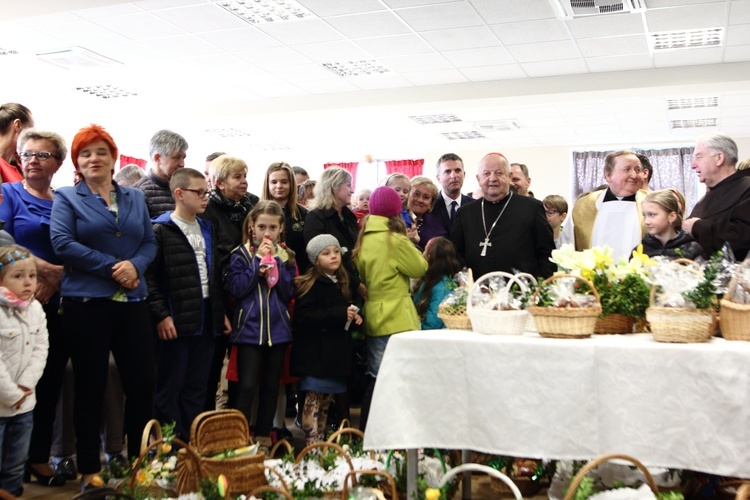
486	243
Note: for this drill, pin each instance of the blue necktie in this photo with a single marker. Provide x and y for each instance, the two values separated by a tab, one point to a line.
453	210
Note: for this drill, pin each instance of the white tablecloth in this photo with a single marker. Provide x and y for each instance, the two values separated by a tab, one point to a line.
670	405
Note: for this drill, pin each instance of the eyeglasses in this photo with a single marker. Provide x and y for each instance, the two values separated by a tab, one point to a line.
552	212
202	193
42	155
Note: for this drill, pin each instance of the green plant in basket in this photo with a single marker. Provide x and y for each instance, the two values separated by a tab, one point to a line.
621	285
704	294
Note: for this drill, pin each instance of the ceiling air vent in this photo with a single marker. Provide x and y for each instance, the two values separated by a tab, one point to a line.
498	126
570	9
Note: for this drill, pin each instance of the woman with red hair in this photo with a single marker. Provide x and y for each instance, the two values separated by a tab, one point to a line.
103	234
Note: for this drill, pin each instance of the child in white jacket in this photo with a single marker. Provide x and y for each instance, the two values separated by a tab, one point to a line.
23	354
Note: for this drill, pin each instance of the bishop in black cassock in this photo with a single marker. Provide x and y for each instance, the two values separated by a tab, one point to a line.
520	241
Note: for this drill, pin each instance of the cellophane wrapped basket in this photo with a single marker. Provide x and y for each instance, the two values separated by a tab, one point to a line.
565	322
735	306
452	310
681	324
212	433
485	319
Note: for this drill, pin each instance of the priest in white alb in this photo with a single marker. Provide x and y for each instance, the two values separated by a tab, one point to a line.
503	231
610	216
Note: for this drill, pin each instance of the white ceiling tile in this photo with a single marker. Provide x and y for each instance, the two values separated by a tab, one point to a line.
302	73
558	122
739	13
544	51
180	46
128	52
533	111
333	51
486	56
239	39
735	111
278	90
613	46
395	45
545	30
201	18
299	32
553	68
489	73
461	38
659	4
86	34
435	77
382	81
686	18
166	4
325	8
367	25
398	4
737	53
440	17
107	11
224	63
327	86
738	34
733	100
509	11
586	108
51	19
273	56
711	55
140	26
601	26
619	63
28	39
419	62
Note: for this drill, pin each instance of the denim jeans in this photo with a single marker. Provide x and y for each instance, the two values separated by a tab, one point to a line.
15	436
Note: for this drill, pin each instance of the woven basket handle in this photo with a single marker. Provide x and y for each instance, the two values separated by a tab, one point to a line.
324	444
511	279
278	475
154	425
279	444
576	481
482	468
353	474
336	436
191	453
558	276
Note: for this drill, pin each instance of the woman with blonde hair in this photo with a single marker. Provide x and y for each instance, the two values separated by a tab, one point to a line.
425	225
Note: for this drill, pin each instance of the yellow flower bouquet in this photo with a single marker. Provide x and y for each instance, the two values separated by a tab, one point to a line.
622	285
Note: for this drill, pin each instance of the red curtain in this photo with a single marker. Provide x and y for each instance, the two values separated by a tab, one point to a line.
350	167
127	160
410	168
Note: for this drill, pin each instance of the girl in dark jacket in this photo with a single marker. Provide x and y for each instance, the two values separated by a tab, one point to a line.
323	316
662	217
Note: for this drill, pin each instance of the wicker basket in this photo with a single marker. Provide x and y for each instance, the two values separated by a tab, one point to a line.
189	456
487	470
324	444
614	324
512	322
456	318
681	324
576	481
211	433
734	318
565	322
388	479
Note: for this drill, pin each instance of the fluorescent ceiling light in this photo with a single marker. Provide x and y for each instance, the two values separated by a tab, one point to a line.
463	135
228	132
356	68
265	11
688	39
696	123
107	91
7	52
693	102
76	58
434	119
498	125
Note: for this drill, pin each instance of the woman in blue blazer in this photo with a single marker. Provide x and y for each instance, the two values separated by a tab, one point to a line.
103	235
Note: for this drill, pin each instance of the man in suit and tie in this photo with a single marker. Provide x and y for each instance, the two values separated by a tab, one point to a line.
450	175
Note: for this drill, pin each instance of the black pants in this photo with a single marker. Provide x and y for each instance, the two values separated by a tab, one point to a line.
93	328
267	361
48	388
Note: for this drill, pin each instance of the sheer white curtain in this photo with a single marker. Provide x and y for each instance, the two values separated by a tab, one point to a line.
671	170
